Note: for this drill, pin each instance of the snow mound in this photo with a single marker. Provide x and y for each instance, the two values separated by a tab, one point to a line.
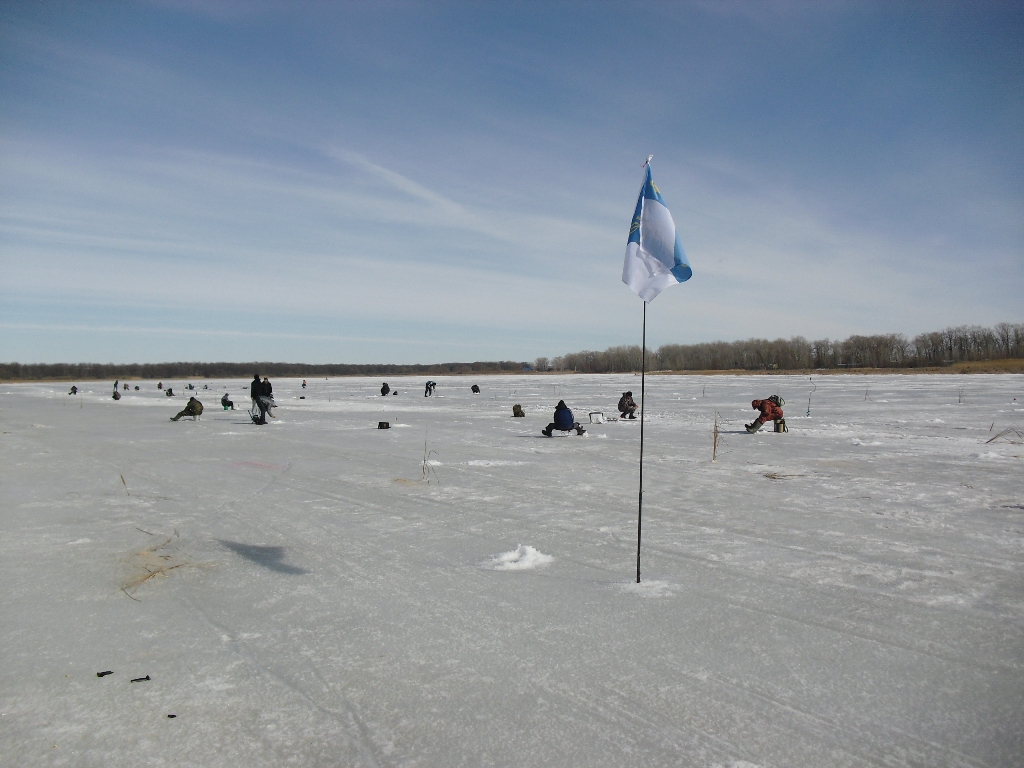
855	441
650	589
495	463
523	558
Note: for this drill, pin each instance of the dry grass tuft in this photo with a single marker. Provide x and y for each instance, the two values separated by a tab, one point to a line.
157	560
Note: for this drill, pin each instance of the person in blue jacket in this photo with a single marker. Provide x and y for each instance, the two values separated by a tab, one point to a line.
563	421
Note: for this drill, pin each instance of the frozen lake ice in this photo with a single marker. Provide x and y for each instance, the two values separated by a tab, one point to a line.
848	594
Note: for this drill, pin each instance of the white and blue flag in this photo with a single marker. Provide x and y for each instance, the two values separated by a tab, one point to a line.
654	256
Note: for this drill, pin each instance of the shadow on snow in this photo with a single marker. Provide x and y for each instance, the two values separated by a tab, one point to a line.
268	557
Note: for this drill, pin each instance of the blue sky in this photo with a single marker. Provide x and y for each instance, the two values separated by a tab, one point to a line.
426	182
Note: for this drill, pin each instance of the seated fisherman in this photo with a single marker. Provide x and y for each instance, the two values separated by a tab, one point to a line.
475	389
563	421
226	402
385	389
192	408
627	408
771	410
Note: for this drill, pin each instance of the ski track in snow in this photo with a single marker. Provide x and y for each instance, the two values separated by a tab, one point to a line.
850	593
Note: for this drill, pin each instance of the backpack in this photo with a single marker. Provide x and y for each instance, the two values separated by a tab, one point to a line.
777	400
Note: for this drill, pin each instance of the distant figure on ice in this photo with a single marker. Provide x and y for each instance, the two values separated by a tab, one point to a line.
126	387
771	410
258	412
192	408
169	392
136	387
116	395
303	383
429	390
226	402
475	389
384	389
74	390
627	408
159	385
115	383
563	421
518	412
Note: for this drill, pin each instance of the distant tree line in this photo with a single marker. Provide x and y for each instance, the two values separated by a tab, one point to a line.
83	371
891	350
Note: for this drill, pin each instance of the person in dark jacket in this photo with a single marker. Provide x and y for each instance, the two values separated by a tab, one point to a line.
192	408
267	390
429	389
563	421
226	402
475	389
256	393
771	410
384	389
627	408
74	391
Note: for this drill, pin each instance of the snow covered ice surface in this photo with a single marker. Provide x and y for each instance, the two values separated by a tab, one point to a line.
848	594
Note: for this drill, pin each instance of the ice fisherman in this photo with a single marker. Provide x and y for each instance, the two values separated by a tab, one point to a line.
256	393
429	389
771	410
384	389
192	408
627	408
267	392
73	391
226	402
475	389
563	421
303	383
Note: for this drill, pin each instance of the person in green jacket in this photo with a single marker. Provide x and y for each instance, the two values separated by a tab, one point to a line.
192	408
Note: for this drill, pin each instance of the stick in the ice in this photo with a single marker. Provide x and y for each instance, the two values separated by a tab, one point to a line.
427	468
640	497
714	444
125	485
811	379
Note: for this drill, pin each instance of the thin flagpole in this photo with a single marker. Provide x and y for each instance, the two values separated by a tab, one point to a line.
640	500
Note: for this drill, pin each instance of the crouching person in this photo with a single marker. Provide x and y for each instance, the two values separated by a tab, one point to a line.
771	410
627	408
227	402
192	408
563	421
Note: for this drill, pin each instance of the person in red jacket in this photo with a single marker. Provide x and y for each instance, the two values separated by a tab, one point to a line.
771	410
